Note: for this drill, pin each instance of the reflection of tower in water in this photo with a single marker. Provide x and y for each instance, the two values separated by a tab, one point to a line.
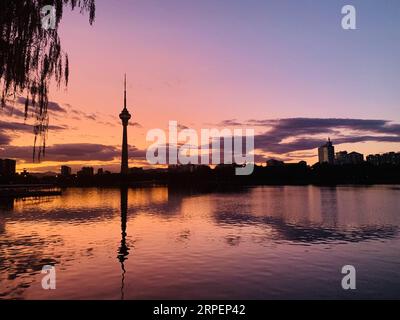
123	250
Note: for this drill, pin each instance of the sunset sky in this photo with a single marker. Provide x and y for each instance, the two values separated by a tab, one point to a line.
285	68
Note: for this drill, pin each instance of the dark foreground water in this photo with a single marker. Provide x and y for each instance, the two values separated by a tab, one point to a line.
257	243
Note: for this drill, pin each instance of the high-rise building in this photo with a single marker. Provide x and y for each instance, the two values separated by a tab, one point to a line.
66	171
356	158
326	153
86	172
7	167
349	158
386	158
342	157
374	159
125	116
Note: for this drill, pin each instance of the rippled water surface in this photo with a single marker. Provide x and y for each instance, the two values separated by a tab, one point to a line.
255	243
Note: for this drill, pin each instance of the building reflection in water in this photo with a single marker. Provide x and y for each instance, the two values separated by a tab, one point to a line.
6	204
123	250
329	206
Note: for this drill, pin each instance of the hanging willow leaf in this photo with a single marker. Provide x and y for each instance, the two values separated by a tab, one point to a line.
31	57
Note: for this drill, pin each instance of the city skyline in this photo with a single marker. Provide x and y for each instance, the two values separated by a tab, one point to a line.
295	90
326	155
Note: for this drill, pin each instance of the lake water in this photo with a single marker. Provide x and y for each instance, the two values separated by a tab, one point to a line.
154	243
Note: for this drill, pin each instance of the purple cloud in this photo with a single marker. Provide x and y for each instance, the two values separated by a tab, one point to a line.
5	126
52	106
305	132
135	125
4	139
72	152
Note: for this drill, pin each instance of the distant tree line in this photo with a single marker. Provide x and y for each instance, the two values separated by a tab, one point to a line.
224	176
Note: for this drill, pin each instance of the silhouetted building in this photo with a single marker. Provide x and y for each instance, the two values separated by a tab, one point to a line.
301	164
86	172
7	167
386	158
374	159
25	173
349	158
100	171
356	158
187	168
135	170
228	168
326	153
66	171
275	163
125	116
341	157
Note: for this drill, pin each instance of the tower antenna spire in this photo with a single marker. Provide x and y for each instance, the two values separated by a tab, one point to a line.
125	91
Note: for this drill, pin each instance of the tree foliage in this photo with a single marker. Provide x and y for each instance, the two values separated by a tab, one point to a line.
32	56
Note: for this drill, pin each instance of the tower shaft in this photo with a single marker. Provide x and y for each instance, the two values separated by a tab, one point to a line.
124	157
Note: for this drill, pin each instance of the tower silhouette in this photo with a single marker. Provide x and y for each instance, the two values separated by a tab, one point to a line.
125	116
123	250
